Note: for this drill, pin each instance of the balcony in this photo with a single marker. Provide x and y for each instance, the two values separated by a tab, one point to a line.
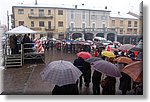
37	16
52	28
36	28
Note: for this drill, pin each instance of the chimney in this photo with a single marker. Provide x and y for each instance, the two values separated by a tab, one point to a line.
35	2
75	6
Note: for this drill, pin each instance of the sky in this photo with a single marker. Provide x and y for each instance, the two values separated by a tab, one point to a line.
114	5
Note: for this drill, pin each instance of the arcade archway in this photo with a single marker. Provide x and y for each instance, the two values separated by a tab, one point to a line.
100	35
76	35
88	36
111	36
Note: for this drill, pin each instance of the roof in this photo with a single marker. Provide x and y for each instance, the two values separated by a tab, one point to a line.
64	6
20	30
122	15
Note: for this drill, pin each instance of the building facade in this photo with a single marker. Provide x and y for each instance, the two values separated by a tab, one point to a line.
46	20
86	23
74	22
60	22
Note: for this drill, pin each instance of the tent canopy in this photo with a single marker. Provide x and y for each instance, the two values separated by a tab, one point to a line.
21	30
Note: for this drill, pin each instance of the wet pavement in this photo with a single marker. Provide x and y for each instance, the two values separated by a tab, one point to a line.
27	79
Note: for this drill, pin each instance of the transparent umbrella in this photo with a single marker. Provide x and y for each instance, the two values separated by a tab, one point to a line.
61	73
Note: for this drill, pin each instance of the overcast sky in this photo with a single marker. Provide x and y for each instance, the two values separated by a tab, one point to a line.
114	5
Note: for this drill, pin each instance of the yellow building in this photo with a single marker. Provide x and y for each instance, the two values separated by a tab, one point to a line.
124	24
50	21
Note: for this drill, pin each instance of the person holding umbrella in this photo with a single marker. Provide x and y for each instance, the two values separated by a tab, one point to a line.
79	63
111	71
87	73
109	86
70	89
125	83
96	77
64	75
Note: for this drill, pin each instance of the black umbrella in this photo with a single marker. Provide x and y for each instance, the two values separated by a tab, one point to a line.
93	59
139	56
138	49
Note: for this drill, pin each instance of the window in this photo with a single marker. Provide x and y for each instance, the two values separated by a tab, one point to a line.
72	25
41	24
32	11
60	24
49	24
103	17
49	12
93	25
21	23
93	16
135	31
129	31
135	23
32	23
60	12
72	15
20	11
121	31
103	25
61	36
41	12
129	23
83	25
83	15
113	22
121	23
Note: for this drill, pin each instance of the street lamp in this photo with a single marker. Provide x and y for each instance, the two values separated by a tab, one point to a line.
8	19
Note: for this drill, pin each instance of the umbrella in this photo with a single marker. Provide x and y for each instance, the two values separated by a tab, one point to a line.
61	73
107	68
138	49
93	59
125	47
139	56
21	30
135	71
124	60
84	55
108	54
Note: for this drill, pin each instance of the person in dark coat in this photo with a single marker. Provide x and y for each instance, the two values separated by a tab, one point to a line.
79	63
26	39
87	73
125	83
96	77
51	45
109	87
46	44
70	89
12	43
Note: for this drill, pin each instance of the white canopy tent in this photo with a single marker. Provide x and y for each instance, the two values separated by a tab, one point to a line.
20	30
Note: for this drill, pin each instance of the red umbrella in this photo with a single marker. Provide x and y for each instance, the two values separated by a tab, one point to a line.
84	55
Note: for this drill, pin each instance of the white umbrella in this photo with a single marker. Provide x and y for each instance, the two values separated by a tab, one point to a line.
61	73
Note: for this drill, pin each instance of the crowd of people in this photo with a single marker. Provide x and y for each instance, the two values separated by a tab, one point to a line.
102	84
15	42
